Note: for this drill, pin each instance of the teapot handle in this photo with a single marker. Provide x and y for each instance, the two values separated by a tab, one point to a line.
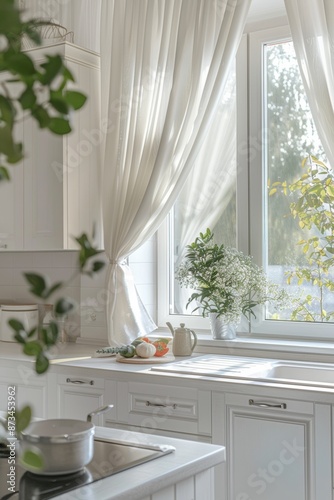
195	340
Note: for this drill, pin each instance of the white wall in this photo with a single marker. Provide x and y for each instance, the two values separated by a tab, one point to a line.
89	321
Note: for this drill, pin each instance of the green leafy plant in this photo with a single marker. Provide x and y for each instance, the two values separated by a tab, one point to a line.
27	88
314	210
226	281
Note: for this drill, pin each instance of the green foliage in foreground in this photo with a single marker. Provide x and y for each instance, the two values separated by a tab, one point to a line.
29	89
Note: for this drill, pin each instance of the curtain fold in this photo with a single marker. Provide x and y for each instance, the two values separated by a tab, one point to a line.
202	202
312	28
164	65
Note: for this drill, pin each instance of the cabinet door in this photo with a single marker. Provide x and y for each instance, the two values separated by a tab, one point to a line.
27	387
54	192
269	449
11	204
43	188
79	395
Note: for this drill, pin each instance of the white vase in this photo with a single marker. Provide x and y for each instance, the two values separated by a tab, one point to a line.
221	330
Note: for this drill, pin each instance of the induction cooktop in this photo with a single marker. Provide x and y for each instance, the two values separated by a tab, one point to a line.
109	458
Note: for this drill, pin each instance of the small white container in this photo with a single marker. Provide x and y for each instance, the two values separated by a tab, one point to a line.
26	313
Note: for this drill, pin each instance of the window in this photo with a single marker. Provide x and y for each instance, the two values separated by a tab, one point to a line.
273	131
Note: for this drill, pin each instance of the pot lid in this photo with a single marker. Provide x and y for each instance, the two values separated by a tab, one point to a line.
58	431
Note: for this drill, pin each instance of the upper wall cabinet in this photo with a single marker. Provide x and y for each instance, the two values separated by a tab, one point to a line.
53	194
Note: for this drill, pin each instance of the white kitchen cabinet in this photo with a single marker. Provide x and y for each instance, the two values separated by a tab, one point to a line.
29	388
78	394
170	410
274	448
53	194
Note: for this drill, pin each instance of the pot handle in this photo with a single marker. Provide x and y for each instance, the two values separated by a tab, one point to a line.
100	410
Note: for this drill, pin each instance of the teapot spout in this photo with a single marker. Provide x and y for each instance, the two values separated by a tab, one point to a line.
170	327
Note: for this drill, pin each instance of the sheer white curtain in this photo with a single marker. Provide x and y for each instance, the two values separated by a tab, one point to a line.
164	64
204	198
312	28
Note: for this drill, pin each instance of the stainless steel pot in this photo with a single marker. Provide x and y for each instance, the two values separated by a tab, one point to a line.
63	445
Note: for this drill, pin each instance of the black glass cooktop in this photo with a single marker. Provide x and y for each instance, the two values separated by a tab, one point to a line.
109	458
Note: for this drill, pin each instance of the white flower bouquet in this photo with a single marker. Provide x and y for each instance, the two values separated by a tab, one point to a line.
226	282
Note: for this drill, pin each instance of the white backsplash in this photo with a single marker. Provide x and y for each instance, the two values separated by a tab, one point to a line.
89	321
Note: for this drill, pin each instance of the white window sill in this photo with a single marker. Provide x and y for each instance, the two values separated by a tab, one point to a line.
302	350
271	348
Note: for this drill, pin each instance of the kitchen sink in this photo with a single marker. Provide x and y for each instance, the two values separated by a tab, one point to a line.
302	373
289	372
217	366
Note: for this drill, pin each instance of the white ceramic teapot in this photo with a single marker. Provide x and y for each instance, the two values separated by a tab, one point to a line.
184	340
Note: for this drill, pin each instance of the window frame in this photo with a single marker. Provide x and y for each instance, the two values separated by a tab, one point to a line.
250	206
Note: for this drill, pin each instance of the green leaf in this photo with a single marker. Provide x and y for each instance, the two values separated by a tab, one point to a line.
41	115
37	282
51	68
21	337
49	334
32	459
59	126
4	174
64	306
10	23
7	110
16	325
7	146
97	265
16	154
23	419
86	249
59	102
75	99
32	332
42	363
32	348
28	98
19	63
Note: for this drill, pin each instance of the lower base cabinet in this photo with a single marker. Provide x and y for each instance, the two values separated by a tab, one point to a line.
19	384
77	395
275	448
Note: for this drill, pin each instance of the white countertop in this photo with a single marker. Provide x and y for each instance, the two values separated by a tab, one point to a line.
80	356
188	459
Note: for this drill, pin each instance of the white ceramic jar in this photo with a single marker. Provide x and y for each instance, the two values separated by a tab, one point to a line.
26	313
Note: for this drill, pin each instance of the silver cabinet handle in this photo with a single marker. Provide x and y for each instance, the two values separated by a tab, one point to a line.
263	404
77	381
174	405
4	245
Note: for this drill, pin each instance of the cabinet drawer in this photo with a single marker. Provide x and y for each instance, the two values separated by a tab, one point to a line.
269	403
174	408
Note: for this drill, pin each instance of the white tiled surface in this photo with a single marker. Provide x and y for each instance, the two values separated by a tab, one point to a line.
88	293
